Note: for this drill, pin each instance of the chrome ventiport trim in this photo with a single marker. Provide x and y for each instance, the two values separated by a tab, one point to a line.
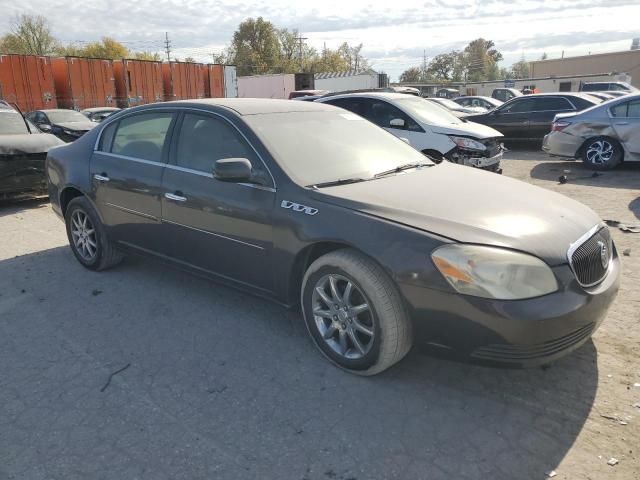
578	243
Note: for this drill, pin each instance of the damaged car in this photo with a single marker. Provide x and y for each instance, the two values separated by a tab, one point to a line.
23	150
322	211
602	136
67	125
428	127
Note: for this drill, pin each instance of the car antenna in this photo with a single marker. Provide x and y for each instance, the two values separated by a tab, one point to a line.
15	105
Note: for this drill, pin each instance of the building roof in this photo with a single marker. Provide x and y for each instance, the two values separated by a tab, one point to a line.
592	55
347	73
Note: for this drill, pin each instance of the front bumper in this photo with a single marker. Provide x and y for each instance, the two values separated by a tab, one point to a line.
472	159
518	333
560	144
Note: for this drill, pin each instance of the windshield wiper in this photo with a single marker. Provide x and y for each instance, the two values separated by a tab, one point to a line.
400	168
333	183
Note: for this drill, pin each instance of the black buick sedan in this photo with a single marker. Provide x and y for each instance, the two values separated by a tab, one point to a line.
310	205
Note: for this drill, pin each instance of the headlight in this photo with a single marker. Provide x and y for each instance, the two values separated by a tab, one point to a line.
468	143
491	272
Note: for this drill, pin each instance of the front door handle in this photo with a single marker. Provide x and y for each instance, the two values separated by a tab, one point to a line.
101	178
176	197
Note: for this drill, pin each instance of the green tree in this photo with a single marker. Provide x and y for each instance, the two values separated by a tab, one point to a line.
255	47
147	56
30	35
481	56
447	66
520	69
411	75
105	48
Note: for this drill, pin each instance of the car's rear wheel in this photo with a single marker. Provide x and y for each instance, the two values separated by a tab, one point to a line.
354	313
601	153
87	236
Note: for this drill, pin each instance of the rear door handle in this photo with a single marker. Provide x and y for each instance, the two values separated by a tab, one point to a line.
176	197
101	178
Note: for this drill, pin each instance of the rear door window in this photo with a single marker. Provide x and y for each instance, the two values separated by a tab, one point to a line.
556	104
519	106
626	109
355	105
142	136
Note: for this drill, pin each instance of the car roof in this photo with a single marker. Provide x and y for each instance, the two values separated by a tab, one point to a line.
385	95
47	110
99	109
476	96
248	106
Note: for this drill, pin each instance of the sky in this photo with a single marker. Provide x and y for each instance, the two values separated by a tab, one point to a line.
395	35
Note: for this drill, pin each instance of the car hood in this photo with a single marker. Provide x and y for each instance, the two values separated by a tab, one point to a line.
78	126
471	206
467	129
28	143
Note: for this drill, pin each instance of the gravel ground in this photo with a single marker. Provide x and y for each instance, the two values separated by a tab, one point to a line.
223	385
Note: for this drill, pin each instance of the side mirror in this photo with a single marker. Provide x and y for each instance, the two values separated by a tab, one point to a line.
45	127
397	123
232	170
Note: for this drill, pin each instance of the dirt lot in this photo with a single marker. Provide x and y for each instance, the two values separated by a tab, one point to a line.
223	385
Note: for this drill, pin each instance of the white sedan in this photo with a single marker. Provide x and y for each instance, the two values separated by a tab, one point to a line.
428	127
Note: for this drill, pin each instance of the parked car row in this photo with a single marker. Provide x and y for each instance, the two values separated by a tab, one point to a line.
313	205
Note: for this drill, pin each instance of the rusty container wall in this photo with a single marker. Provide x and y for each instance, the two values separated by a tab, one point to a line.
214	81
182	81
137	82
84	82
27	81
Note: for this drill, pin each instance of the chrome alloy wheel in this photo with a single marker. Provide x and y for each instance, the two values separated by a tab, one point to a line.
600	152
343	316
84	235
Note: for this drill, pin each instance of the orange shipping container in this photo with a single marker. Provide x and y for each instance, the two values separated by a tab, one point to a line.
27	81
182	81
137	82
83	82
214	81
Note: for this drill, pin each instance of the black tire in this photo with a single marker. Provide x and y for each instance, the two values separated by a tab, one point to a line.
105	255
608	160
388	317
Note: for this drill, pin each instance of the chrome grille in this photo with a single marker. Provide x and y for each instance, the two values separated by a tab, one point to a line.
590	259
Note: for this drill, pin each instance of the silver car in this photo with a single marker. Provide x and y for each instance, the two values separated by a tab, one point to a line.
602	136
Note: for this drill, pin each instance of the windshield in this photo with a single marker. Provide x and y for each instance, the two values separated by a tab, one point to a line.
319	147
428	112
62	116
11	123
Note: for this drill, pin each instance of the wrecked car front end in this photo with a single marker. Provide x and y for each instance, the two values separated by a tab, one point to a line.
22	164
485	154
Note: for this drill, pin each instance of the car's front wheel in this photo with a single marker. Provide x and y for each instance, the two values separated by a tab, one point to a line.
87	236
354	313
602	153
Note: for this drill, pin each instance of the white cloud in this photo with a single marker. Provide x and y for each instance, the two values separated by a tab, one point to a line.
394	35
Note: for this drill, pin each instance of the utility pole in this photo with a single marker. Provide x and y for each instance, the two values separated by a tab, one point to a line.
424	65
300	39
167	46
